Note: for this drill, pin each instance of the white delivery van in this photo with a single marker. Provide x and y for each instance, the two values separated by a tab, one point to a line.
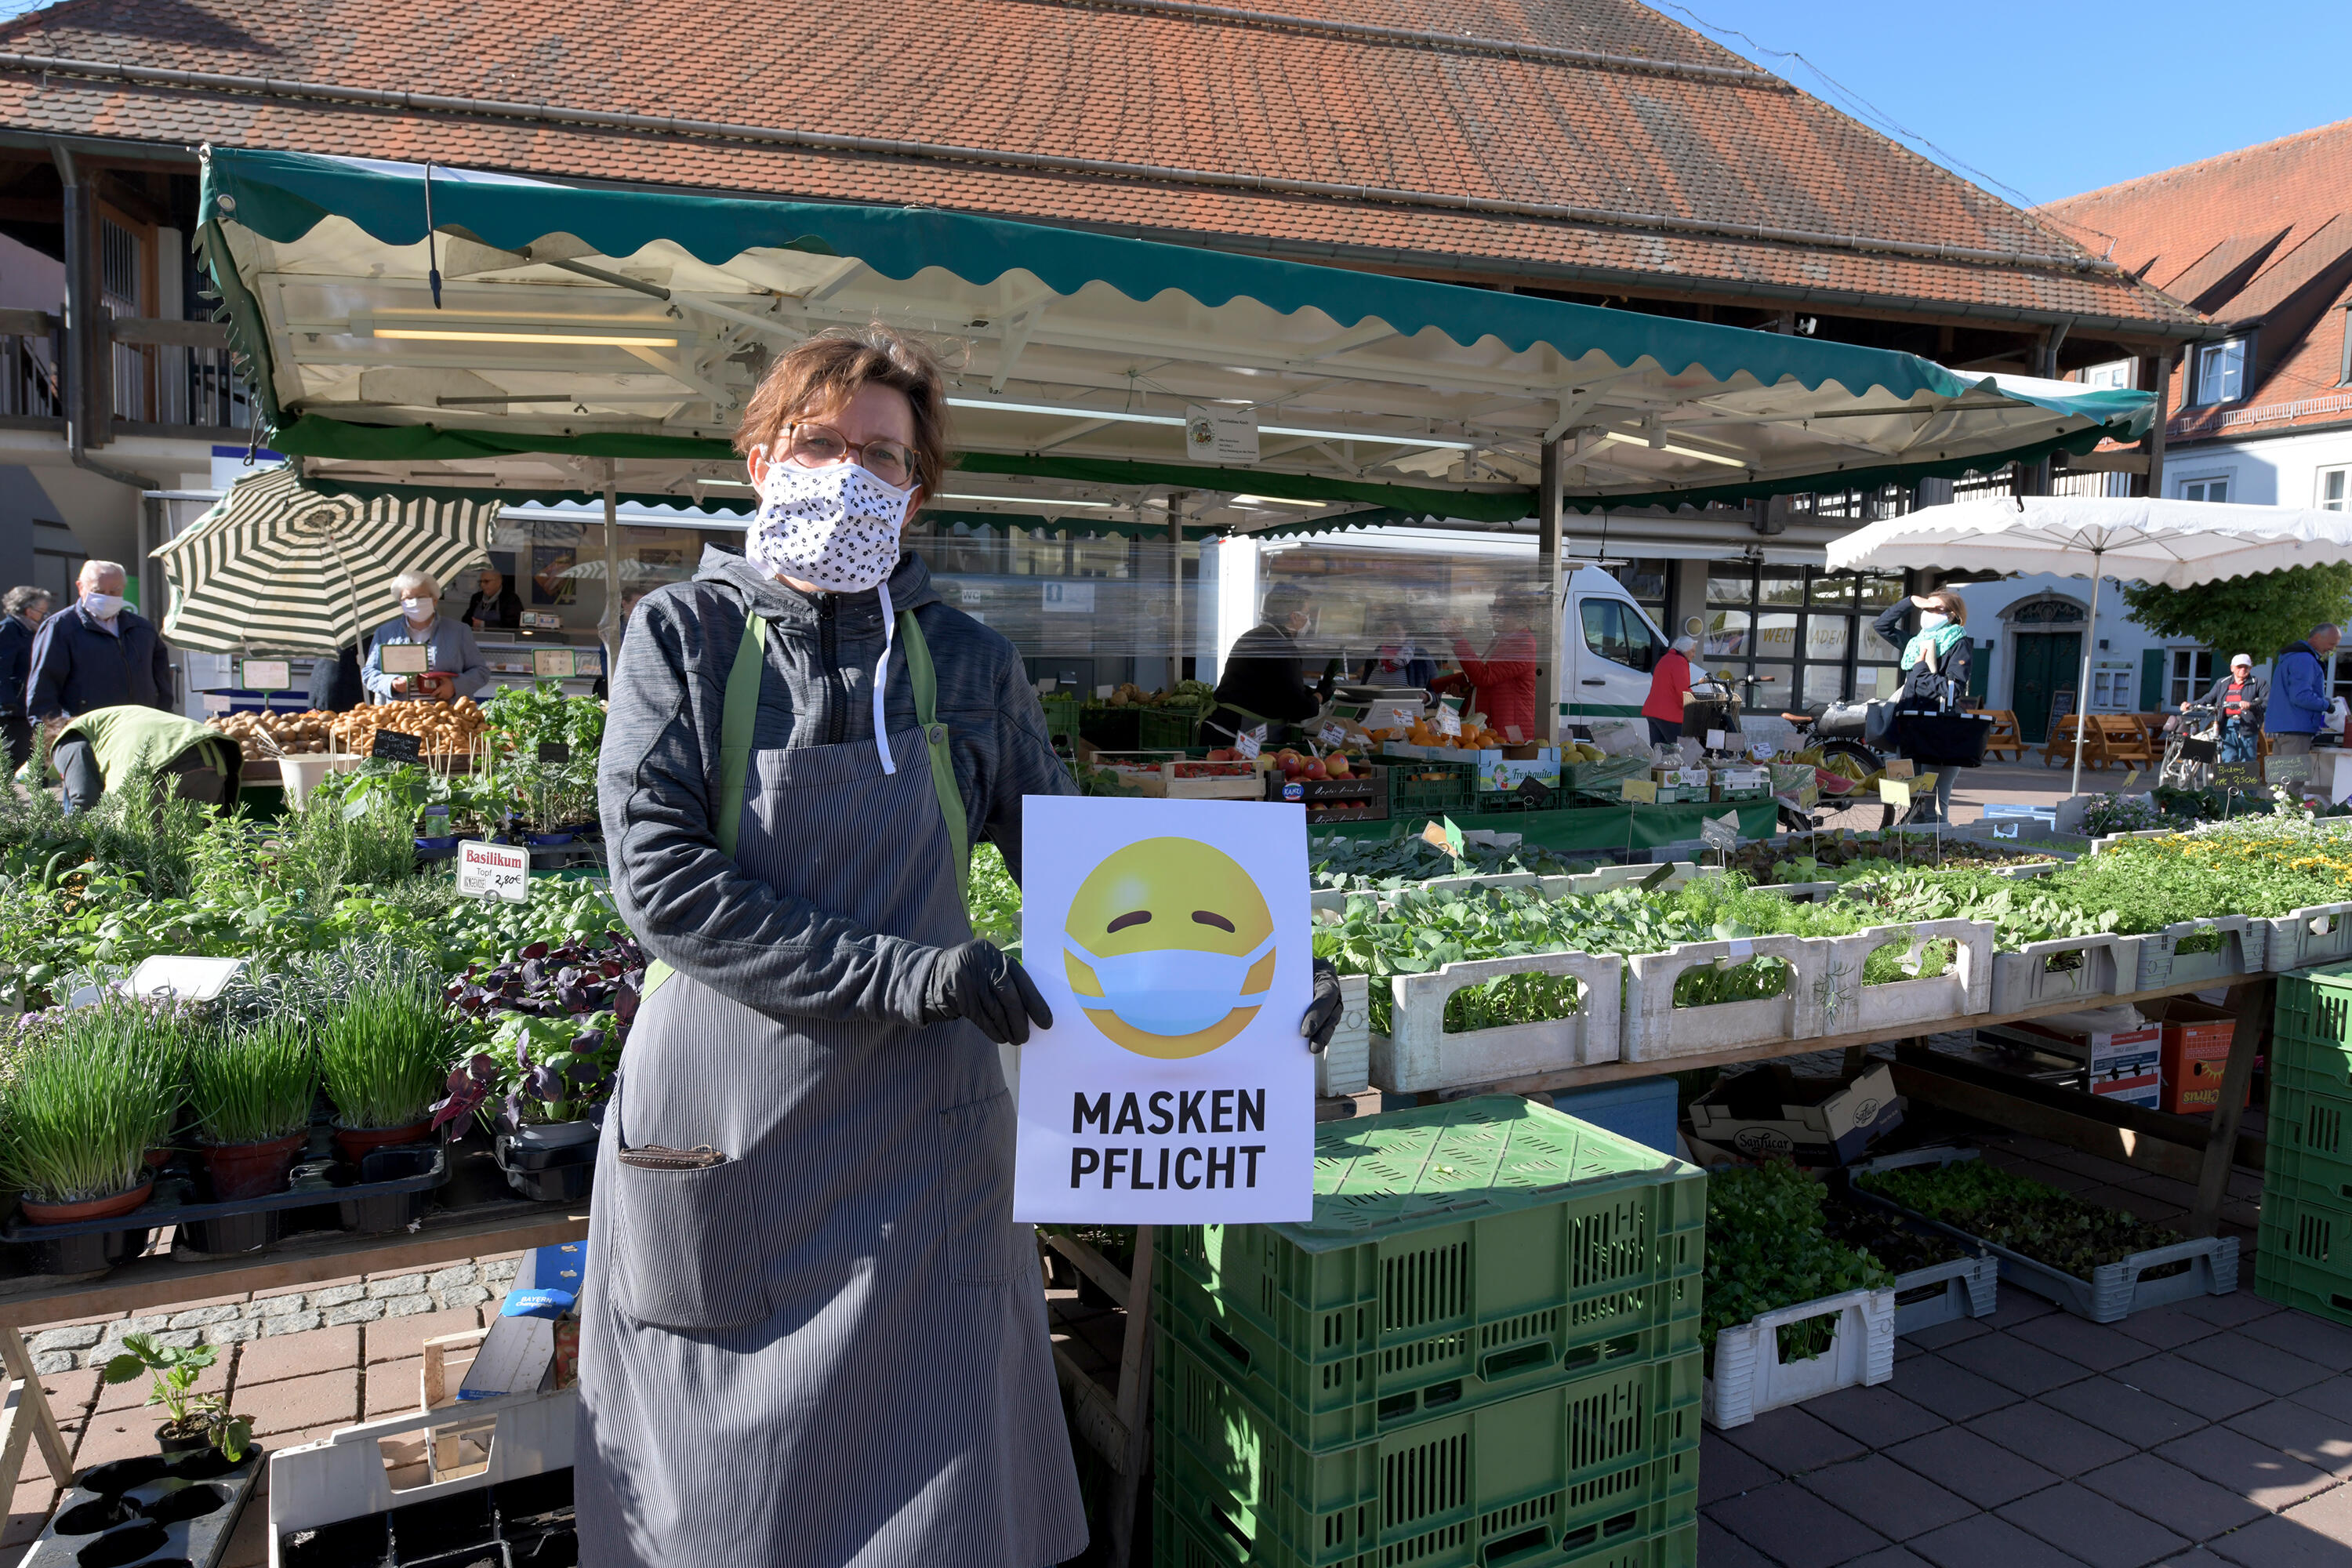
1608	645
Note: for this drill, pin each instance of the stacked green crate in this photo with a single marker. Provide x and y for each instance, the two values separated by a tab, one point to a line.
1483	1348
2304	1255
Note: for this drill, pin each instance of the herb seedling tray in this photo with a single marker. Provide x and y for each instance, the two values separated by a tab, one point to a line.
169	1207
1898	1006
1419	1055
1655	1029
1946	1292
2244	943
176	1510
2024	980
2114	1292
2296	943
1750	1377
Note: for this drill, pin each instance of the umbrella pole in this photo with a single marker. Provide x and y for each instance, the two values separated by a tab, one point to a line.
611	619
2083	681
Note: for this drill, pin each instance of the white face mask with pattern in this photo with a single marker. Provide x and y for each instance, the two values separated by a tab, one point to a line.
836	527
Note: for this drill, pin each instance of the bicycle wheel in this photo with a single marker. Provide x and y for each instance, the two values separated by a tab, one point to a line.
1861	812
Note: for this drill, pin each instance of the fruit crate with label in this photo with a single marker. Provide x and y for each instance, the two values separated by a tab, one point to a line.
1164	775
1363	796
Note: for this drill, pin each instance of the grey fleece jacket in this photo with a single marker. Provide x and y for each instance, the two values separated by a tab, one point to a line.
657	775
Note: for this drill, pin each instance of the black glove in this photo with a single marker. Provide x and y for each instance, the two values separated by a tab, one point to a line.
979	982
1323	1009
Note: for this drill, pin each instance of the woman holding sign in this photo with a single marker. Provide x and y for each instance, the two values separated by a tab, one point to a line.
811	1335
450	665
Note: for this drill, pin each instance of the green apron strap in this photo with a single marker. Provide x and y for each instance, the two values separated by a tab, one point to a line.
935	740
737	716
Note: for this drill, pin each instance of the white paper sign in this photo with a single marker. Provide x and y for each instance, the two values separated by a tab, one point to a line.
1220	435
1720	832
265	674
494	871
1449	721
1176	1090
1714	740
1250	741
1332	735
553	663
1070	597
407	659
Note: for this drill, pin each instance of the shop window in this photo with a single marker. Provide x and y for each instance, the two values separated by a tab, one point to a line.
2209	489
2334	489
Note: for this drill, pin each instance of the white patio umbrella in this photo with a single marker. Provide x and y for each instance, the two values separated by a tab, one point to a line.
2143	539
274	565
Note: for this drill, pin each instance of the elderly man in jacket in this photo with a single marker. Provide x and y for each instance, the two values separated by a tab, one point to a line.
2299	702
97	653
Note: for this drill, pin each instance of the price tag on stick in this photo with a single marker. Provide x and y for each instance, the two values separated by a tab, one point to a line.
1641	790
552	663
1895	792
1720	832
265	674
1332	735
494	871
1899	768
1249	742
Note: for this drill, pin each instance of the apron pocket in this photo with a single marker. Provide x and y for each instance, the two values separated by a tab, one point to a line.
687	1245
976	1142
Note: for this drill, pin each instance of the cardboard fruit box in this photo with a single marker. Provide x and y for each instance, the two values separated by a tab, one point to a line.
1774	1113
2120	1048
2194	1052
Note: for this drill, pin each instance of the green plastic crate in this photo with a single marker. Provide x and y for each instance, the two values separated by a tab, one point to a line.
1139	729
1612	1455
1415	787
2303	1258
1061	714
1176	1543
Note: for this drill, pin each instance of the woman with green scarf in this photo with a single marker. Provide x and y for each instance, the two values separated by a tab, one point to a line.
1935	669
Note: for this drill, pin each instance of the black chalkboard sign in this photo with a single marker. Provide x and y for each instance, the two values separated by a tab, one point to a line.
1535	792
554	751
394	746
2242	777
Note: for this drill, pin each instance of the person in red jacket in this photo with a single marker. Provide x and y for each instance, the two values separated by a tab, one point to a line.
1670	692
1506	677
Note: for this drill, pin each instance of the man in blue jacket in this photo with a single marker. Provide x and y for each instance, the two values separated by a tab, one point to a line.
97	653
2299	702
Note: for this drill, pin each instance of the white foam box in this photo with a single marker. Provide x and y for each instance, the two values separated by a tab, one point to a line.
2122	1052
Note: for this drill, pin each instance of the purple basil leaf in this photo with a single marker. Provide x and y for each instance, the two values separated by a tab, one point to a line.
536	950
587	1075
545	1084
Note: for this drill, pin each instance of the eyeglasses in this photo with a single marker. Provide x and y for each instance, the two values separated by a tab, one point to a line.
821	447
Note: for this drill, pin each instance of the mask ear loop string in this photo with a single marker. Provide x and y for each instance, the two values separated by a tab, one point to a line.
882	678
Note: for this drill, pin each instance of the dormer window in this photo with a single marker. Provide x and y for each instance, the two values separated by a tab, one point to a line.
2220	373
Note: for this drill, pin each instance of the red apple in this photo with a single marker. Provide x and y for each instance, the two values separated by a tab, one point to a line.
1336	765
1318	769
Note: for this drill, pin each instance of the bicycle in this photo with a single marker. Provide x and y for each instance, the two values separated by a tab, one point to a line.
2193	745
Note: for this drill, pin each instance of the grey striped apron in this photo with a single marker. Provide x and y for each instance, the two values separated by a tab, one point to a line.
832	1348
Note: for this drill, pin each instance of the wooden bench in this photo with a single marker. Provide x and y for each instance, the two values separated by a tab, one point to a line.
2059	749
2004	736
2120	740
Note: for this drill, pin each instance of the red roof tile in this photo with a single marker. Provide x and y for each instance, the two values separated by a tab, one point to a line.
1696	138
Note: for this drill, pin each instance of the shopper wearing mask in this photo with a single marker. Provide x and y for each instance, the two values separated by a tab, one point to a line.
1670	692
1397	660
2237	700
21	614
1935	668
97	653
1263	681
453	663
494	605
811	1335
1506	677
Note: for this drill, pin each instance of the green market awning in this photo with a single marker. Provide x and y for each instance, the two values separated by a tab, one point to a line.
584	337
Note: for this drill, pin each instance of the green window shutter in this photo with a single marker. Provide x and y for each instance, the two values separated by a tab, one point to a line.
1980	673
2151	680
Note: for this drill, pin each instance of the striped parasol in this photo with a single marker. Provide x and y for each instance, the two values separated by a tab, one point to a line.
277	566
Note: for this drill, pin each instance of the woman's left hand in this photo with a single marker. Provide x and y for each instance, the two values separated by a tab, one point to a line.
1322	1011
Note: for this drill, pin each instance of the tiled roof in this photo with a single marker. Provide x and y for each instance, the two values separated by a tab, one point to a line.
1699	151
2285	206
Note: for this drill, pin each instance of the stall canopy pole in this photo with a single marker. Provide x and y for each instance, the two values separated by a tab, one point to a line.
1549	648
609	627
2083	681
1175	588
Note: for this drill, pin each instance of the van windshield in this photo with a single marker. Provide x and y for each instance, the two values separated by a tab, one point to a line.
1615	630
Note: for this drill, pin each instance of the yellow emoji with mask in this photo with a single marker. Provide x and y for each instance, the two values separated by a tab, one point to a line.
1170	947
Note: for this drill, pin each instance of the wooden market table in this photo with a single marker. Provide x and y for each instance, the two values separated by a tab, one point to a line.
156	1281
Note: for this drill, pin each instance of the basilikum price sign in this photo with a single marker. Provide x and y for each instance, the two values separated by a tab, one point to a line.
494	871
1172	938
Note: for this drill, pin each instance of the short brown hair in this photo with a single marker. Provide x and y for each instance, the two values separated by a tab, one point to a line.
829	369
1954	606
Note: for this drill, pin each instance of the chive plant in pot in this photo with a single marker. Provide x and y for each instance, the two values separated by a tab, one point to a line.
93	1089
252	1093
384	1058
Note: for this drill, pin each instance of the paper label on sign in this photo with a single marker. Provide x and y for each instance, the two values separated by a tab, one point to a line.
1332	735
494	871
265	674
1511	733
407	659
1641	790
1070	598
215	702
1214	434
1449	722
1250	741
1046	684
1714	740
1181	1094
552	663
1104	693
1899	768
2131	778
1720	832
2005	830
1765	750
1895	792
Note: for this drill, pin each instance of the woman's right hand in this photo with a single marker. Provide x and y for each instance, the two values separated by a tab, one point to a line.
982	984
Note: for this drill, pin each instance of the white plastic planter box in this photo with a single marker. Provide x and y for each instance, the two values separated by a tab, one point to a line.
1750	1378
1344	1065
1906	1006
1657	1030
1418	1054
2243	943
2319	934
1965	1287
2023	980
1335	899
